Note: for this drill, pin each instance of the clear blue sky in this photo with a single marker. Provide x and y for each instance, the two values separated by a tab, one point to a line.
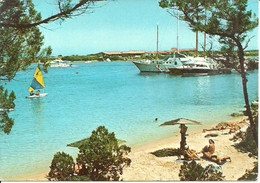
121	25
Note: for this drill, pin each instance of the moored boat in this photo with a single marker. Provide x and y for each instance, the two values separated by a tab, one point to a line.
199	68
157	65
59	63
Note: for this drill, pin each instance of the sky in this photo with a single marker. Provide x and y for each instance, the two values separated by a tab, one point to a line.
121	25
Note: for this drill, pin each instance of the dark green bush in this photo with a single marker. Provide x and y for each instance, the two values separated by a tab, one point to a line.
195	172
101	158
62	167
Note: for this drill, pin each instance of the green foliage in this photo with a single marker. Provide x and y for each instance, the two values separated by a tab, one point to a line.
62	167
79	178
19	47
253	53
252	65
195	172
101	158
227	19
82	57
251	175
6	123
6	105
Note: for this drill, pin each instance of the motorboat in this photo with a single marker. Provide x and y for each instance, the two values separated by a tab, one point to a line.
59	63
199	68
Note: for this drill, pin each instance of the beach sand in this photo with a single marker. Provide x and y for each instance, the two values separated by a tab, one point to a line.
147	167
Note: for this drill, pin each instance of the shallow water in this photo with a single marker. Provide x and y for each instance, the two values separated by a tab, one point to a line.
113	94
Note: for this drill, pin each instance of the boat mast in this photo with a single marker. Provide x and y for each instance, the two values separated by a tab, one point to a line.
157	44
197	40
196	43
178	31
205	34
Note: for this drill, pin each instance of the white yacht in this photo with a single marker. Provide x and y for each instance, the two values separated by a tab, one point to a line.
59	63
158	65
197	66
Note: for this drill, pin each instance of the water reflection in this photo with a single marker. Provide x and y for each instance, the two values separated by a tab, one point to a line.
156	75
37	110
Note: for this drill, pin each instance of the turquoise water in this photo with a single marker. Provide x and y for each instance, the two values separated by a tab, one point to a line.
113	94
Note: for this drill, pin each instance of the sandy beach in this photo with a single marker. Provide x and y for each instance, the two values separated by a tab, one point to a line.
147	167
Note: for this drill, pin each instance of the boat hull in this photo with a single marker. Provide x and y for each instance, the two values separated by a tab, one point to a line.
199	72
156	67
175	71
37	96
143	67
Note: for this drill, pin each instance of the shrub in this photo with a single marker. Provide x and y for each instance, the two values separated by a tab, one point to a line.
252	65
195	172
101	158
62	167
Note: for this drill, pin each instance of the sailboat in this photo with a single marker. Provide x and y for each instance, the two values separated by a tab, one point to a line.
37	84
158	65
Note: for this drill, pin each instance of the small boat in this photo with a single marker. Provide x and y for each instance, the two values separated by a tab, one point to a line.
199	68
59	63
196	66
37	84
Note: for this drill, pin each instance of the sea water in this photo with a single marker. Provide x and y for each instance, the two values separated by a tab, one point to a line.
113	94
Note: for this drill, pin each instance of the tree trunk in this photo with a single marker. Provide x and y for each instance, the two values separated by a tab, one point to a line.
244	84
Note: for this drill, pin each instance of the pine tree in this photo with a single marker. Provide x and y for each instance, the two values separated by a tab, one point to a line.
102	159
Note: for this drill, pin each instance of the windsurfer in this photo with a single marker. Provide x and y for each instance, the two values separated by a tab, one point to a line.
31	94
38	93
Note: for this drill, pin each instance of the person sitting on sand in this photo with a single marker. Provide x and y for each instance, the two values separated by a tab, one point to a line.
209	153
190	154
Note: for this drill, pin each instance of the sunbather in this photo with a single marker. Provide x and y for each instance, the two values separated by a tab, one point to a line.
209	153
190	154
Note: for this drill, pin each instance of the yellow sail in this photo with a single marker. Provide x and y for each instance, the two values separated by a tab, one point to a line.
37	82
